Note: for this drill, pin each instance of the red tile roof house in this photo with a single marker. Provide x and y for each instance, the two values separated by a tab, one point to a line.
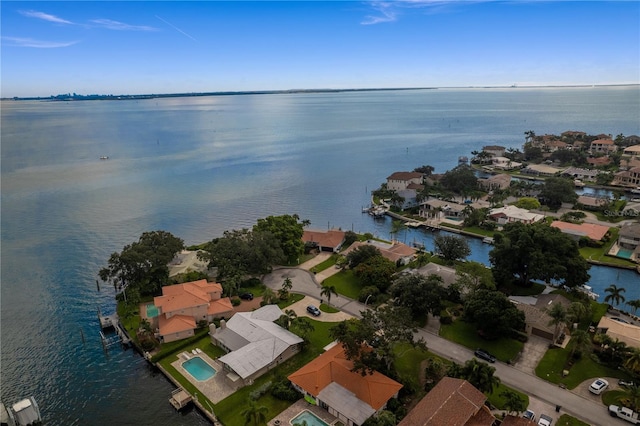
577	231
347	395
603	145
399	181
452	402
324	240
181	306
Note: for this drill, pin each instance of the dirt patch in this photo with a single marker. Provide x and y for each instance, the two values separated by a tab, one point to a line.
248	305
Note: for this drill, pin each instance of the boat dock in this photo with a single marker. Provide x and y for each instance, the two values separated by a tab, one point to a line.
180	398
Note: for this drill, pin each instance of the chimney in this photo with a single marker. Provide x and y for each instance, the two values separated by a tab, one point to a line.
223	324
212	329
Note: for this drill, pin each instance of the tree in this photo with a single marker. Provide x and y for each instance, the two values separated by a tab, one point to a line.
473	276
383	418
349	238
425	170
283	292
579	311
580	343
460	180
513	402
558	315
377	271
452	247
528	203
557	190
632	362
269	296
420	294
287	230
634	304
630	397
143	264
614	294
479	374
537	251
362	254
494	315
254	415
327	291
370	341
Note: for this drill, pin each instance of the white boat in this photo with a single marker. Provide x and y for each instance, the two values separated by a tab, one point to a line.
23	413
487	240
104	157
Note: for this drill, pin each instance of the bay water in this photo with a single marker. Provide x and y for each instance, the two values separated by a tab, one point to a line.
197	166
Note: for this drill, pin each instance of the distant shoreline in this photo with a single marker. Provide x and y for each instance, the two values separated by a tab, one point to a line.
76	97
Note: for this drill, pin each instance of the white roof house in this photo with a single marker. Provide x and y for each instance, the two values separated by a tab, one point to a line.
255	342
510	214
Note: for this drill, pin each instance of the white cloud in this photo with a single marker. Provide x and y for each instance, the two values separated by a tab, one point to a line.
386	13
44	16
39	44
120	26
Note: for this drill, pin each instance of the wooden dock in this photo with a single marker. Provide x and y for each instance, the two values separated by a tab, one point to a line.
180	398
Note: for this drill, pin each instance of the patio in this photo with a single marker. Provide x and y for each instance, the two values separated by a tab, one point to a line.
285	417
214	388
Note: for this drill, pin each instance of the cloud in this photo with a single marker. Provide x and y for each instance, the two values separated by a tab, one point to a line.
120	26
390	11
44	16
386	13
39	44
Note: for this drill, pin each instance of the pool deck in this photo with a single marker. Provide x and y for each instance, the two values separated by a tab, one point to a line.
214	388
284	418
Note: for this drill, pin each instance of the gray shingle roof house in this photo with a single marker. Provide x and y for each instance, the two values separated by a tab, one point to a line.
254	343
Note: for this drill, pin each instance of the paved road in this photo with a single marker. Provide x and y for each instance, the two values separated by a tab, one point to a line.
587	408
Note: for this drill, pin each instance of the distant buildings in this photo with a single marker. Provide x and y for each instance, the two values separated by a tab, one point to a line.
510	214
399	181
330	240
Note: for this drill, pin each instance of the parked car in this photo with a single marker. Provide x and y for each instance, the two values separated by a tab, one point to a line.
544	420
482	354
246	296
598	386
626	383
529	414
313	310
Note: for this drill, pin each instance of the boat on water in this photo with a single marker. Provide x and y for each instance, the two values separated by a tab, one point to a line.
23	413
104	157
487	240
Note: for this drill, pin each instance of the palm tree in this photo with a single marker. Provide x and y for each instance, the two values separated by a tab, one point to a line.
631	395
634	304
480	374
327	291
633	360
558	318
578	311
254	415
581	342
615	294
268	296
513	402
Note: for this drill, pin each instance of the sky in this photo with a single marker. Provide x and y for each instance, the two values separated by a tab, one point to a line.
144	47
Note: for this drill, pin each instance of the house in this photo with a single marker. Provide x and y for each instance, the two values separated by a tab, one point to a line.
554	145
504	163
509	214
627	333
591	203
540	170
579	173
254	344
448	275
537	319
629	237
499	181
629	178
410	195
181	306
347	395
592	231
603	145
452	402
436	208
399	181
598	161
396	252
330	240
632	150
494	150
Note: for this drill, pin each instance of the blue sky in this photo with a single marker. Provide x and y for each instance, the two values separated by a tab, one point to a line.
144	47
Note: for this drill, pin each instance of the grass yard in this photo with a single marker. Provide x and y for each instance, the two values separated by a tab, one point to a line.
498	401
553	363
567	420
345	283
465	334
331	261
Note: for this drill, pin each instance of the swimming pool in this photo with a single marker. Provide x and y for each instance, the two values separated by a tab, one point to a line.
199	369
310	418
152	310
624	253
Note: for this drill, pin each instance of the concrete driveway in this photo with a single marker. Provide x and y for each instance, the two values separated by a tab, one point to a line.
533	351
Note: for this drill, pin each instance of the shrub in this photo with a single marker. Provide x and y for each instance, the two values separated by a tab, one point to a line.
284	391
236	301
445	317
256	394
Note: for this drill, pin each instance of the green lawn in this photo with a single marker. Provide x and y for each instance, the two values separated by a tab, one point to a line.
465	334
567	420
345	283
330	262
553	362
498	401
328	309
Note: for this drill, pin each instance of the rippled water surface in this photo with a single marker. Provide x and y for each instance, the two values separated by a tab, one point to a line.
198	166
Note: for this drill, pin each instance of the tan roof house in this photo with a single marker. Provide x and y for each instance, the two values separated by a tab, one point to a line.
401	180
452	402
324	240
537	319
395	252
627	333
494	150
254	344
630	178
591	203
632	150
541	170
348	395
439	209
578	230
599	161
499	181
510	214
181	306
